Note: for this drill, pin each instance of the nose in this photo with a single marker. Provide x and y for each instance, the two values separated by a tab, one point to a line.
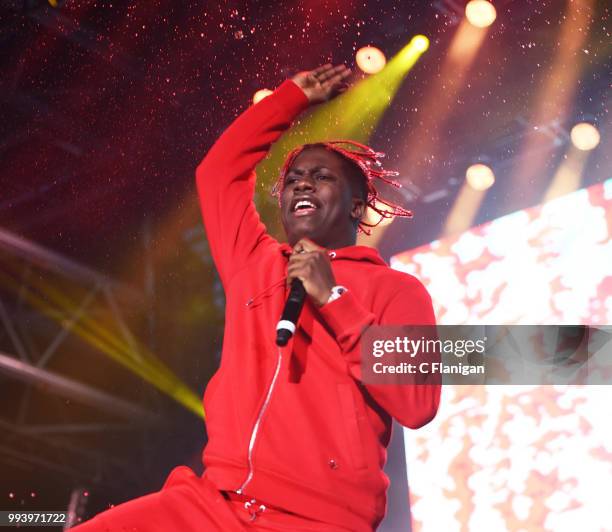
305	182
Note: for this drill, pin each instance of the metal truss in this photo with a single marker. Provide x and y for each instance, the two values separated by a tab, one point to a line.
26	365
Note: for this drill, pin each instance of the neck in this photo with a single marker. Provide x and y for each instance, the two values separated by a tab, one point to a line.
340	243
328	243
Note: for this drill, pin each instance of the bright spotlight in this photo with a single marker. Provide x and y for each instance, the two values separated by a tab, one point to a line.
585	136
260	95
420	42
410	53
370	59
480	13
480	177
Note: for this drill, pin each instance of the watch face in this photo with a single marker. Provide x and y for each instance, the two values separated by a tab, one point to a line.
338	290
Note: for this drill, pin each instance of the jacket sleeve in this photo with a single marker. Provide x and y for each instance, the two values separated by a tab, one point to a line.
226	178
412	405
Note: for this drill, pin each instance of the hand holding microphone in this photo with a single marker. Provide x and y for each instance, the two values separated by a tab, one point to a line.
309	272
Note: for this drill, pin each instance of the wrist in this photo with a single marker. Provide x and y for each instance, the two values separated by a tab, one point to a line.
298	82
324	297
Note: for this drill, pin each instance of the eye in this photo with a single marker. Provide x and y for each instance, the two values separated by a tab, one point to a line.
323	176
289	180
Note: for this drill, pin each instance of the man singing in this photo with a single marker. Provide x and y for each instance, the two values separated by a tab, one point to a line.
296	440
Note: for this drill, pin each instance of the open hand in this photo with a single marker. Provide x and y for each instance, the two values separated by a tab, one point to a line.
323	83
312	266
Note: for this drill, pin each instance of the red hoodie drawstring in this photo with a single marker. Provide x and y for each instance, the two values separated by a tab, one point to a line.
265	291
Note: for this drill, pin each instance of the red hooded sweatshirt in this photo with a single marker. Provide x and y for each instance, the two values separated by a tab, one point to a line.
295	427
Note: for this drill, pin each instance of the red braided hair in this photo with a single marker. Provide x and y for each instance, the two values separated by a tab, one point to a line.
368	162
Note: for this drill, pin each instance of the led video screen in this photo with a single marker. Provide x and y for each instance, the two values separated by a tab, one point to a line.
518	457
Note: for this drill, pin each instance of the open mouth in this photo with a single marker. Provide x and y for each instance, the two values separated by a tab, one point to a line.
303	207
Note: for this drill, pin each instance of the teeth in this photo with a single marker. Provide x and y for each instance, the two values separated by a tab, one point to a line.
303	203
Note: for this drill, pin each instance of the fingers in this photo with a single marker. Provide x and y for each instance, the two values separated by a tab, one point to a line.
313	268
297	268
301	259
297	263
344	75
305	245
330	74
301	266
322	69
323	83
336	82
336	78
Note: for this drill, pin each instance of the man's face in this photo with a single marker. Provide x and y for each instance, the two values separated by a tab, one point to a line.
319	199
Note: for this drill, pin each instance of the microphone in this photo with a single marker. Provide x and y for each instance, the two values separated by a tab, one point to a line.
293	307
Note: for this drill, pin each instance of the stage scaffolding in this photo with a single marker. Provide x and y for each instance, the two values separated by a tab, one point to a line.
58	394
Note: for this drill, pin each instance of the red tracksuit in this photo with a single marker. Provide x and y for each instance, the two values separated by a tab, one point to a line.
292	427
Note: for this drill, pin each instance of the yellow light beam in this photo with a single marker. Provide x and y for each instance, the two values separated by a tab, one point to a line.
148	367
439	100
421	148
555	94
568	176
464	210
352	115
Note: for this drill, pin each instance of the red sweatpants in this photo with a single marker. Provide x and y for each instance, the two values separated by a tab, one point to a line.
189	503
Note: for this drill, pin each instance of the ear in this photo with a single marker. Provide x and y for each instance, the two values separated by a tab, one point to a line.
358	209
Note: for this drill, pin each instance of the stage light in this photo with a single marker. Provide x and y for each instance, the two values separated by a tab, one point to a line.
480	13
370	59
585	136
260	95
410	54
480	177
569	175
420	43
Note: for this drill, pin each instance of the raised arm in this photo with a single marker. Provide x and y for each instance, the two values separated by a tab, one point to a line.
226	178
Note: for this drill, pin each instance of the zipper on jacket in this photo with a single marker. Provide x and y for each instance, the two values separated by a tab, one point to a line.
257	424
264	406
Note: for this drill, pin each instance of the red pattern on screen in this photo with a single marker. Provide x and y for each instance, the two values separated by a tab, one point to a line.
518	457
